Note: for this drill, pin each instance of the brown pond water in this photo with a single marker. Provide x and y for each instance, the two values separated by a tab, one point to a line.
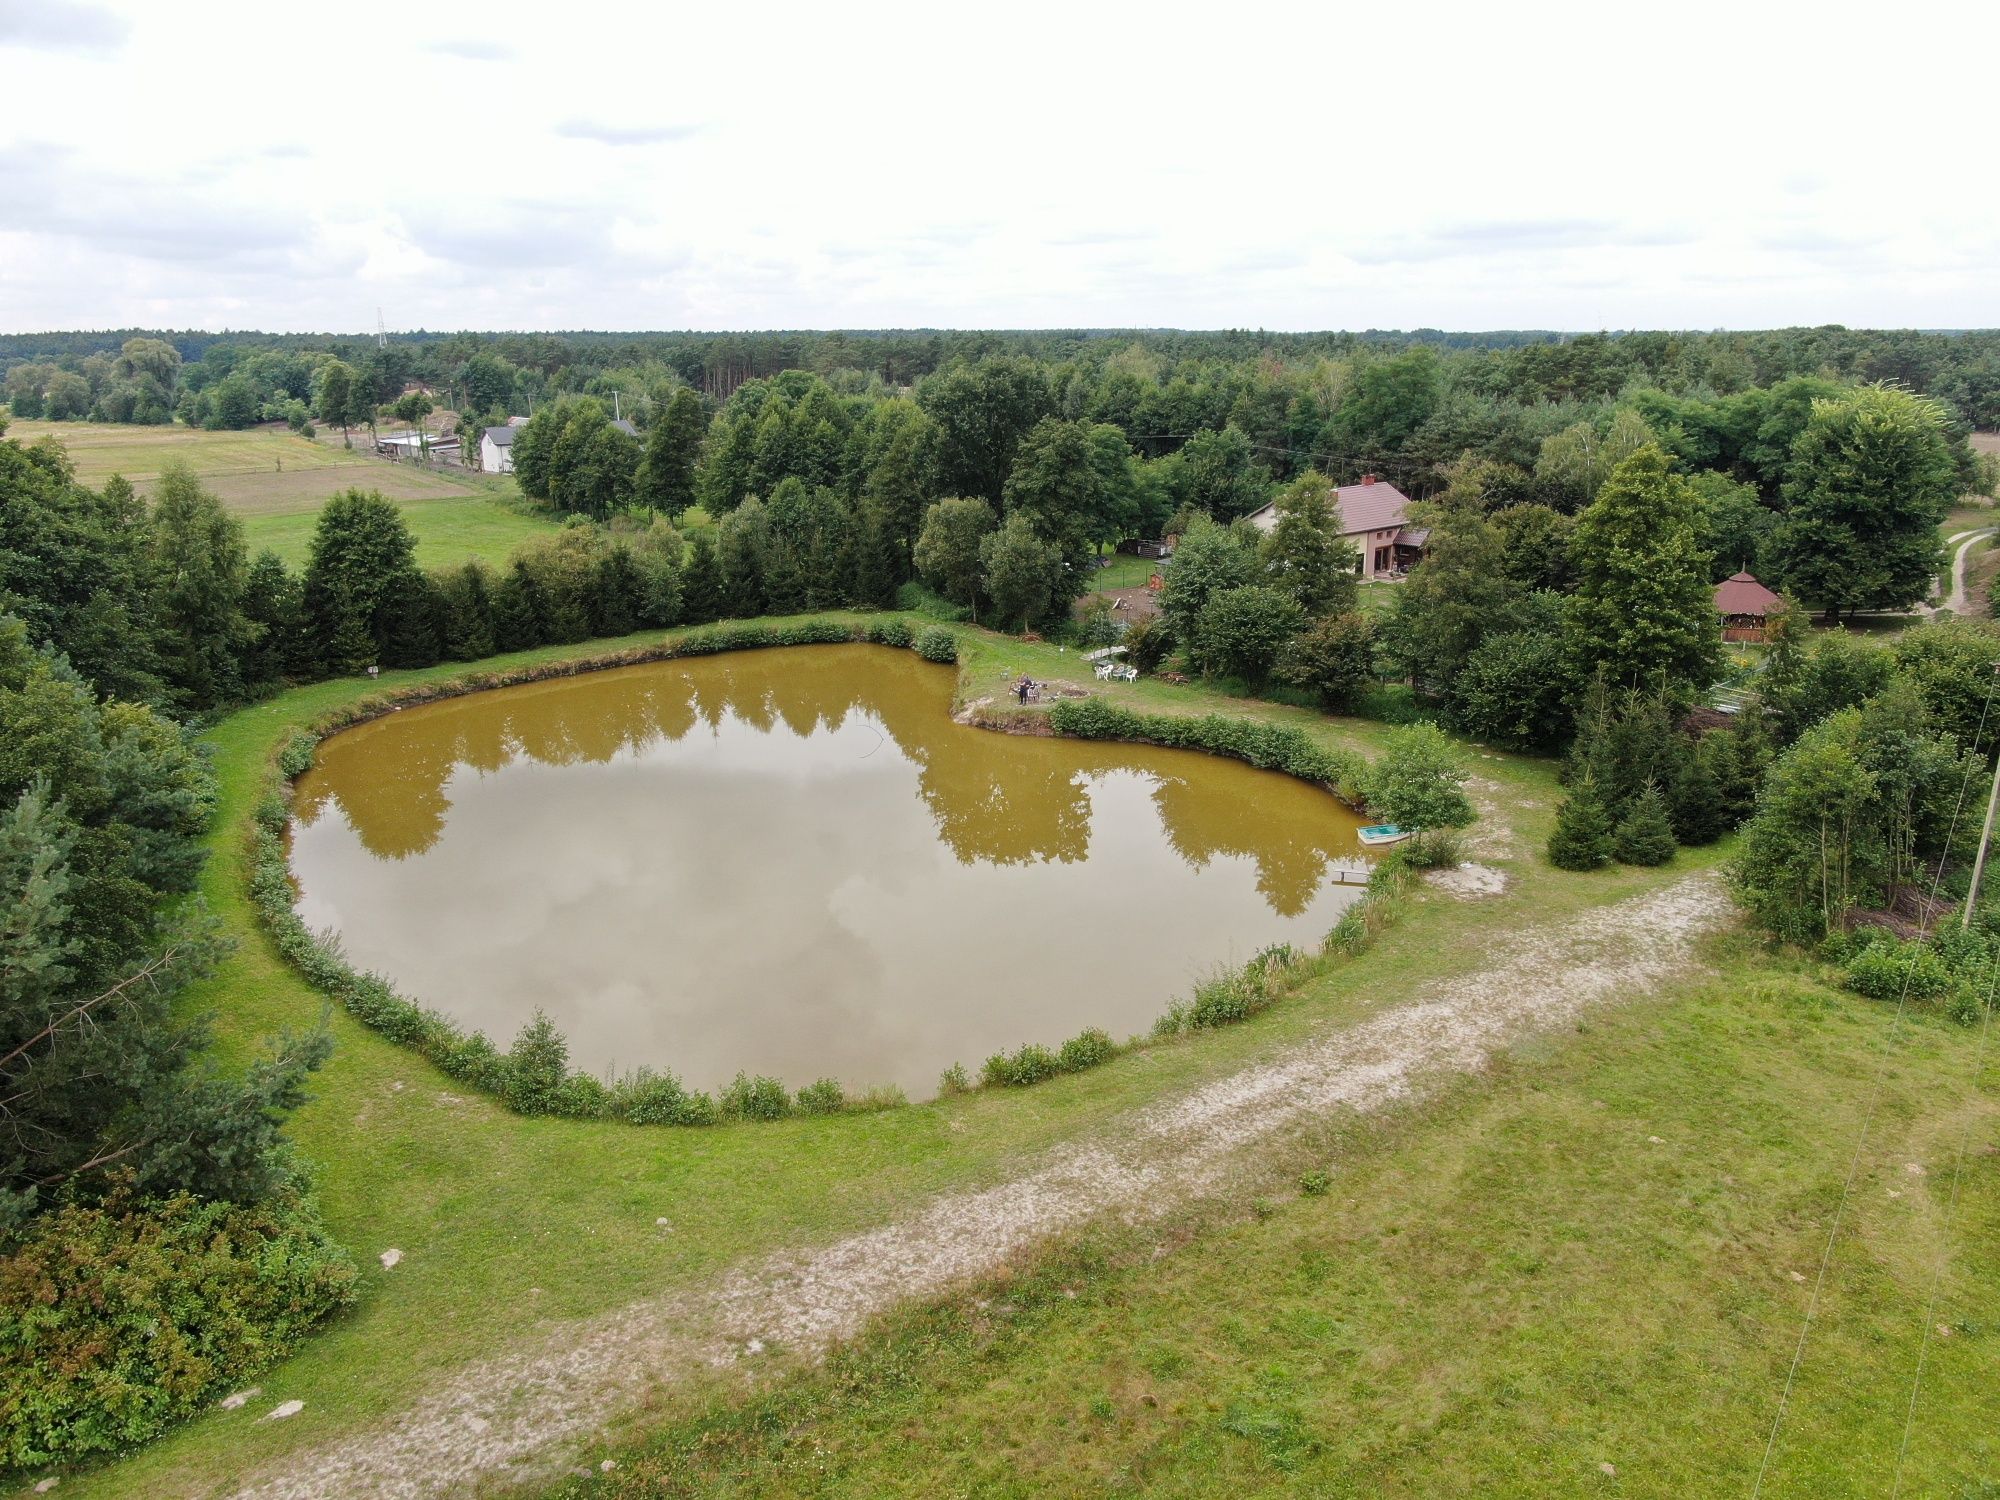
793	862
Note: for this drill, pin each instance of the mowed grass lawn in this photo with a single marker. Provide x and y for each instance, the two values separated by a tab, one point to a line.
1504	1287
276	481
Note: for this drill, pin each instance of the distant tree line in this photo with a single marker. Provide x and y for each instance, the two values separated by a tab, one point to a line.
1374	400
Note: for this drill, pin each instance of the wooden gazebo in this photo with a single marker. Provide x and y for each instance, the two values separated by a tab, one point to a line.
1744	604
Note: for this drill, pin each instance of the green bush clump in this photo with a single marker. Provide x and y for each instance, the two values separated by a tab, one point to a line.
935	643
120	1318
1315	1184
647	1097
537	1067
954	1080
1028	1064
1086	1049
1229	996
1965	1006
1889	971
759	1098
823	1096
891	633
1270	747
297	756
914	598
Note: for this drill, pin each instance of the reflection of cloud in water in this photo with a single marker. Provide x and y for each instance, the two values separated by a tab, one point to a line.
863	888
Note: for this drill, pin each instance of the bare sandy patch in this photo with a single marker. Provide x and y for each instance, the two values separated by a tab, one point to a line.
1469	882
517	1410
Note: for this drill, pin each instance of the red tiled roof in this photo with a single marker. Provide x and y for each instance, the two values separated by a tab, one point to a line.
1363	507
1371	507
1743	595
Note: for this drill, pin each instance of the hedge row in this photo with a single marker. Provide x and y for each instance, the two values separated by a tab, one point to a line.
1270	747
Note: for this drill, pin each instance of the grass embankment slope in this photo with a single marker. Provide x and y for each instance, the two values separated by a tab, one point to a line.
276	481
1509	1284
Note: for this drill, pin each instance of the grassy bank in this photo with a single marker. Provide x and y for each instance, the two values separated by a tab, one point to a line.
1584	1273
509	1223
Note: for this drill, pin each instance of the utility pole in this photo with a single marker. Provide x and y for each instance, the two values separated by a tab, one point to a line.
1985	837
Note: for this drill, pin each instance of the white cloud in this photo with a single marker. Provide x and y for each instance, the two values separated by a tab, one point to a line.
1464	166
54	25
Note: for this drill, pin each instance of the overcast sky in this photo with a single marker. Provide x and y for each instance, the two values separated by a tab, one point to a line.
1002	165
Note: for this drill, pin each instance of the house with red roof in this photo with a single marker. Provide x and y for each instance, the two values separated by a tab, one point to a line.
1373	516
1744	604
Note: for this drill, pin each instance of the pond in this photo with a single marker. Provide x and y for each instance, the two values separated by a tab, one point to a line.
793	862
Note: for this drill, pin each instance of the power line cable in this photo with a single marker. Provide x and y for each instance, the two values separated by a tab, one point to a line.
1867	1121
1944	1233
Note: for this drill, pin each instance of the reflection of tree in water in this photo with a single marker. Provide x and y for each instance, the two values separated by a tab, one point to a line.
398	815
1292	853
993	798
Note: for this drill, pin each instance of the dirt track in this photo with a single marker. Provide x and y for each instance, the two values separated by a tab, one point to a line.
533	1407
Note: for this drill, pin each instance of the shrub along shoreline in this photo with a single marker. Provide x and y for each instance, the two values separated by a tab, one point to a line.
534	1077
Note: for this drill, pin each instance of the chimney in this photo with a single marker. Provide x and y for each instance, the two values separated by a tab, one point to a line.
1370	478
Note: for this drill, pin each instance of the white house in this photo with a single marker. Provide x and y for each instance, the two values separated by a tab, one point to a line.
496	449
496	444
1372	516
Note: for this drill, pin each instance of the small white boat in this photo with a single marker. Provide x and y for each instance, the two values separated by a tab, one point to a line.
1376	835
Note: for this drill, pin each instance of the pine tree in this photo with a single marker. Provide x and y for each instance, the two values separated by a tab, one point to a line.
200	563
1643	606
413	634
1694	800
701	582
877	559
615	599
271	605
520	610
1582	836
101	844
468	622
1646	835
740	556
665	480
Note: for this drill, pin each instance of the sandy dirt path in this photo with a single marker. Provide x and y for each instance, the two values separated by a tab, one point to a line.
1961	544
528	1410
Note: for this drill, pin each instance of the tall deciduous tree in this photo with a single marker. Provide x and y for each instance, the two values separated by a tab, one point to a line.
898	446
1870	478
76	567
361	563
1241	632
1305	554
1454	599
1209	559
199	560
665	479
1419	782
947	555
1643	606
983	411
339	399
1027	576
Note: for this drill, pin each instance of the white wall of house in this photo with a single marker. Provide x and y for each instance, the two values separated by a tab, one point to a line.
1378	551
493	458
